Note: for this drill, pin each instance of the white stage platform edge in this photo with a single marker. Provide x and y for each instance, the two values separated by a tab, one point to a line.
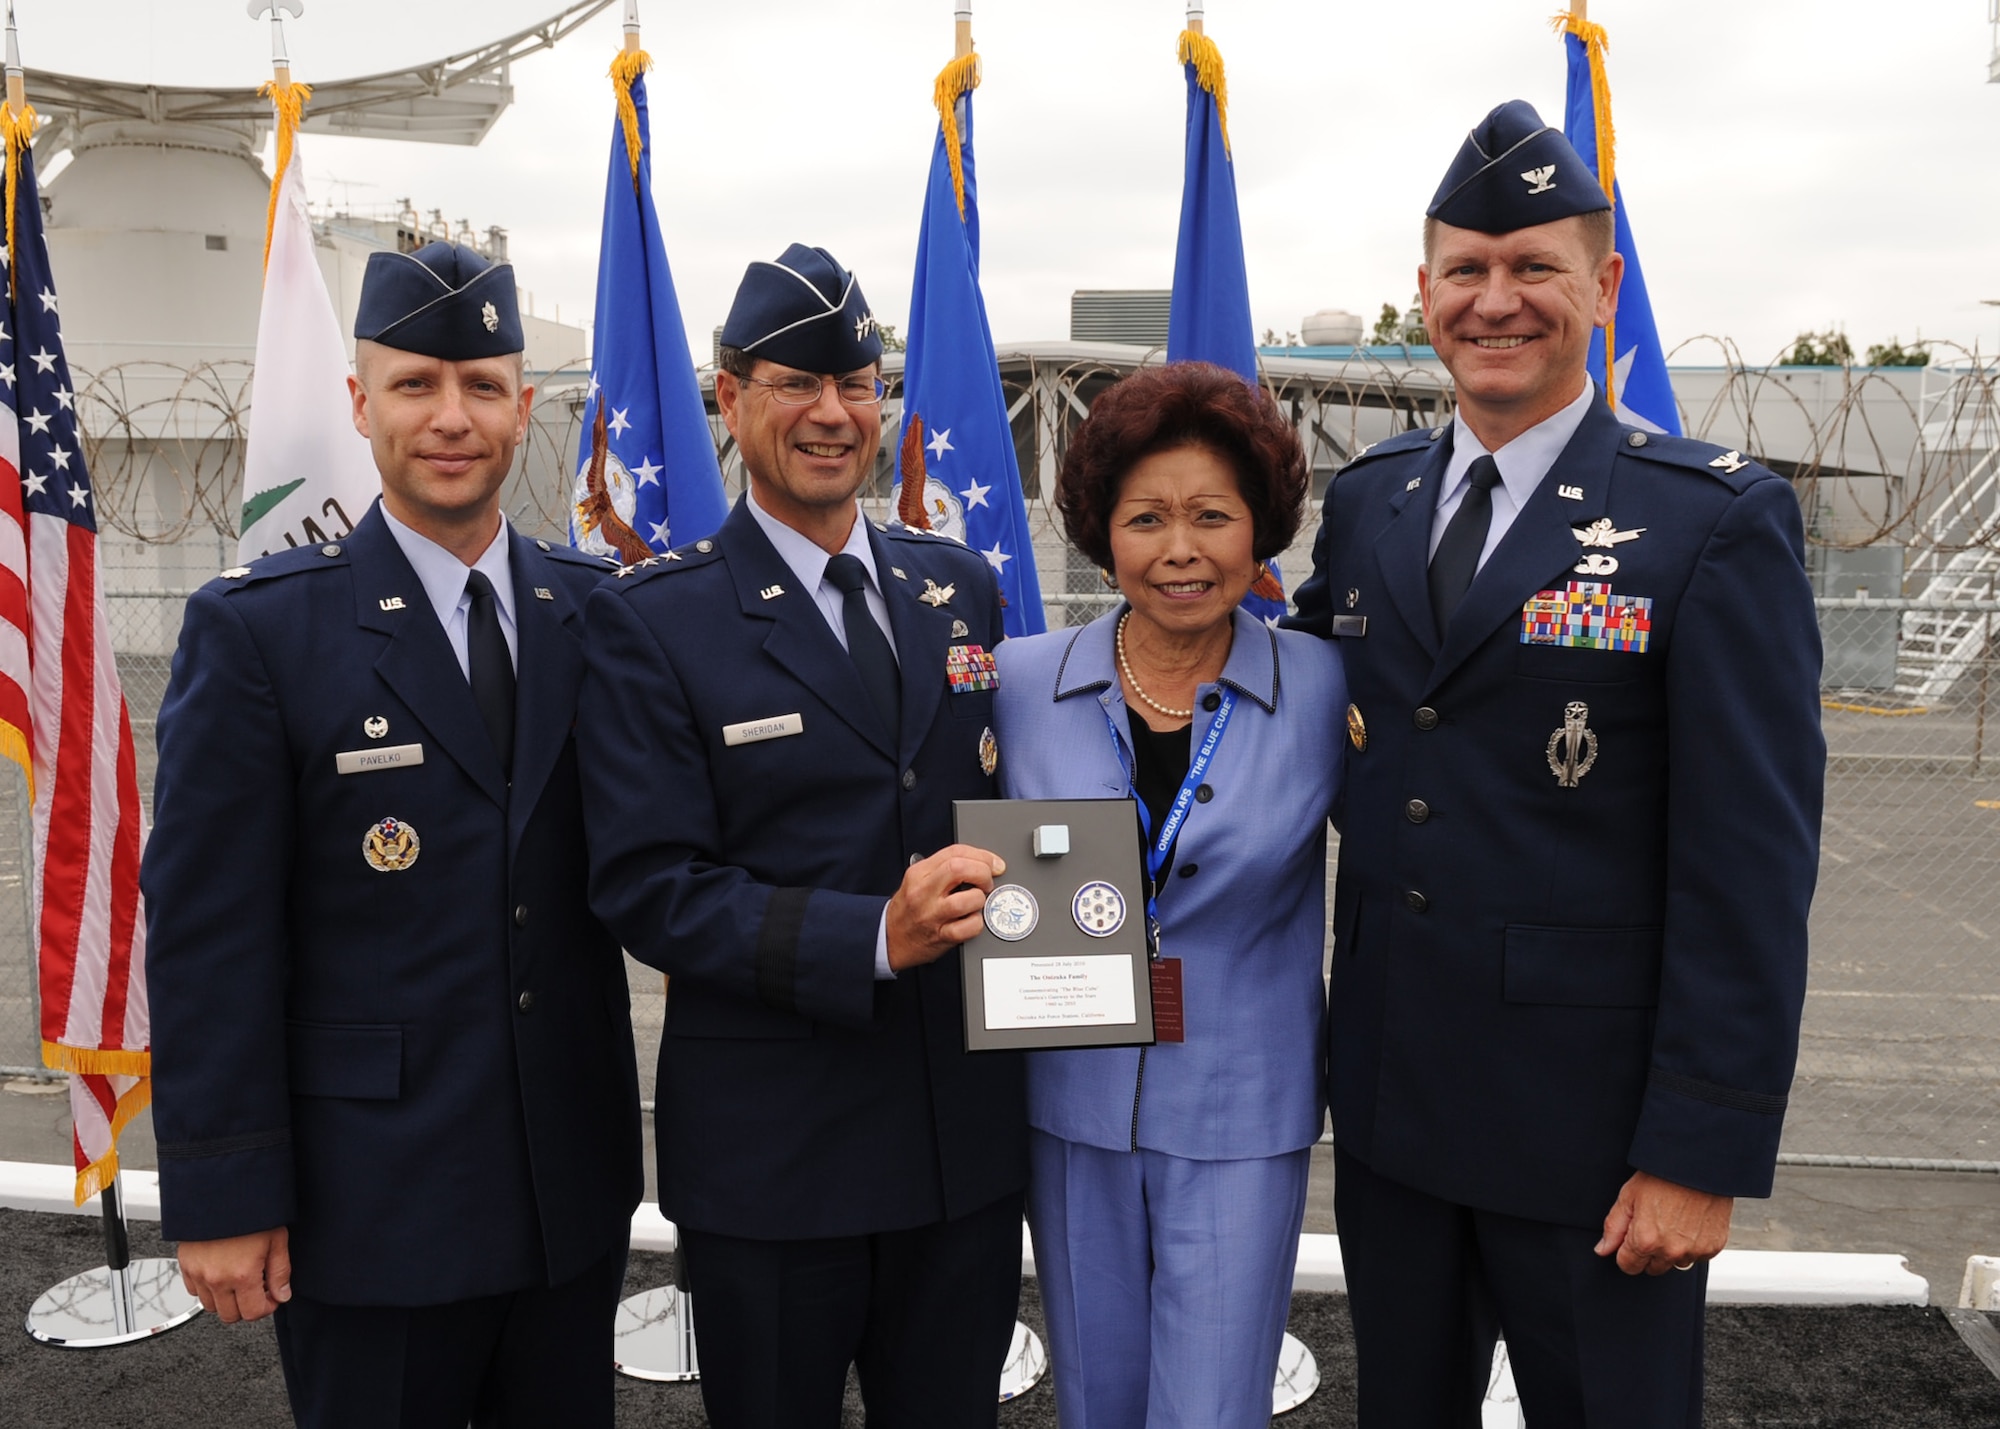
1737	1277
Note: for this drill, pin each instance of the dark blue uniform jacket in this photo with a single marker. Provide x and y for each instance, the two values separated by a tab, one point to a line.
798	1097
1537	988
428	1073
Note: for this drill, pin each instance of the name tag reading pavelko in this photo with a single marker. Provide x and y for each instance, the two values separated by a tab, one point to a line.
367	761
752	730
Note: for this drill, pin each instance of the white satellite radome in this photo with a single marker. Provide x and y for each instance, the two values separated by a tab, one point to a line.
1332	327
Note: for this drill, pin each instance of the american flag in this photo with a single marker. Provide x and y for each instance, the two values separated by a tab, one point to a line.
62	712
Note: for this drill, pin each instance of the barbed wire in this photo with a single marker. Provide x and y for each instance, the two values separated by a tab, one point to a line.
1873	462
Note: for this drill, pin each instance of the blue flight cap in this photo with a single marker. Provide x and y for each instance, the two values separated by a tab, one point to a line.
442	301
804	311
1513	171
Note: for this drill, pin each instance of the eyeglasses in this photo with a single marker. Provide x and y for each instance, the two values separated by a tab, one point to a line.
802	389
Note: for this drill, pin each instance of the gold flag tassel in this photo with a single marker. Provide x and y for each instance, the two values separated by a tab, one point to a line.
1200	51
1595	43
290	102
953	81
629	65
20	127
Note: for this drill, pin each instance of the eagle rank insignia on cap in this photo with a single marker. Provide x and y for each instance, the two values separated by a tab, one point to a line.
391	846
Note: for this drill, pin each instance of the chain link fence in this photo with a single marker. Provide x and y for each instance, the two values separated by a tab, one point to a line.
1899	1064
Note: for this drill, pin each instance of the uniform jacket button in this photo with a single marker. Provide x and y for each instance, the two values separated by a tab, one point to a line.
1415	901
1417	811
1203	794
1189	870
521	915
1427	718
526	1002
909	778
1211	702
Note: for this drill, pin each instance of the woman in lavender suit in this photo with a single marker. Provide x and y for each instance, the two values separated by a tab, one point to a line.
1168	1183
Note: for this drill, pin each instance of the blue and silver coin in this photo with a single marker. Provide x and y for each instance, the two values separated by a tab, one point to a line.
1099	909
1011	913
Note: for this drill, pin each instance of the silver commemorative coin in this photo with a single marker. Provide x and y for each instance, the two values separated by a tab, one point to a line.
1011	913
1099	909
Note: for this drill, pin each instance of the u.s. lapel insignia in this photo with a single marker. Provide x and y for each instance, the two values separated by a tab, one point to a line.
897	572
391	602
771	592
1604	533
1357	729
1573	748
959	630
1729	463
391	846
542	592
1570	493
375	727
989	752
935	595
1413	483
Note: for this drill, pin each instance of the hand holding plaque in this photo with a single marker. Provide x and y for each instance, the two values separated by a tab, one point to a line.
939	904
1059	956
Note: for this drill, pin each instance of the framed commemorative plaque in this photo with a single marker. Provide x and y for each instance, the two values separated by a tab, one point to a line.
1061	960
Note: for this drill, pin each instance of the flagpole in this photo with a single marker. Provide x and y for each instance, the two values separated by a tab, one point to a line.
631	25
1194	13
17	83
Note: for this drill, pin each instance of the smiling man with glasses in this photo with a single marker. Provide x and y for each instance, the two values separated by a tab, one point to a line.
778	721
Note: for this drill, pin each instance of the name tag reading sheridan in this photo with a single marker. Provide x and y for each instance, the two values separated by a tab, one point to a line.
774	727
367	761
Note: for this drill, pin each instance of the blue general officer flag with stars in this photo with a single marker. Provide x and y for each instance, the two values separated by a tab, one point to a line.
647	476
1209	317
956	438
1638	379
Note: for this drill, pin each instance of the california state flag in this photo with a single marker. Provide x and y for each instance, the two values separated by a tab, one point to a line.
307	474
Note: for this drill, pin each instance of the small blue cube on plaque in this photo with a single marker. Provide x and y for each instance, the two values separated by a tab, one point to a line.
1099	909
1051	840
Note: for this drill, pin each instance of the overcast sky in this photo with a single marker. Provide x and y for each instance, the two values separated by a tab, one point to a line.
1786	165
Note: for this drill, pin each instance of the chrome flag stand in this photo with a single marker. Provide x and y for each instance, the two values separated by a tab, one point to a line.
119	1302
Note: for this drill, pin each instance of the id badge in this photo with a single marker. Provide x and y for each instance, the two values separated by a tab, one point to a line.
1168	1023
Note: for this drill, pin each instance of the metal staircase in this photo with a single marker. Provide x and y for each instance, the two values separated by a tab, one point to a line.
1941	637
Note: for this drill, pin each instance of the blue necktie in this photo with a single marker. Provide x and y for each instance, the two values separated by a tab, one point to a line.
489	667
1457	557
867	646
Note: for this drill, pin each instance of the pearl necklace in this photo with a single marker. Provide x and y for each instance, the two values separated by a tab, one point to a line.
1133	680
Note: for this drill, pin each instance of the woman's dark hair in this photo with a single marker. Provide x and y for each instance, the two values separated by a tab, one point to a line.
1184	404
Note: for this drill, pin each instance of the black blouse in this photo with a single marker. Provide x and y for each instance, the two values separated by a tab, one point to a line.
1161	759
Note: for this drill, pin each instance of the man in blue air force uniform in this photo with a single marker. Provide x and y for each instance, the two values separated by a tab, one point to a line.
1583	804
777	721
394	1080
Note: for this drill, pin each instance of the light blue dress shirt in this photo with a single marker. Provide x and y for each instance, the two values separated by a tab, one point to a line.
1523	463
443	577
1244	908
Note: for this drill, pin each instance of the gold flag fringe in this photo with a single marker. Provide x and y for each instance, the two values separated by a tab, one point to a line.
290	102
96	1061
953	81
20	129
92	1179
1201	52
629	65
1595	43
14	746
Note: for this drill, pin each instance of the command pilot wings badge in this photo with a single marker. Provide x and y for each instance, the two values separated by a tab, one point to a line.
1542	178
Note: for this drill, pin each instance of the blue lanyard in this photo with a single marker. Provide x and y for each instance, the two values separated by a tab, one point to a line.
1159	849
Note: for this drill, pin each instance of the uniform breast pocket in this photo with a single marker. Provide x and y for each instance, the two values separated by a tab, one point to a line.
1573	665
973	704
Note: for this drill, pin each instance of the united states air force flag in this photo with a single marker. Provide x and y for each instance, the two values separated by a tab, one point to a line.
1209	318
1637	382
647	477
958	466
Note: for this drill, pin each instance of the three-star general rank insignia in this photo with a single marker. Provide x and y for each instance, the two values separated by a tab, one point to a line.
970	668
1585	615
